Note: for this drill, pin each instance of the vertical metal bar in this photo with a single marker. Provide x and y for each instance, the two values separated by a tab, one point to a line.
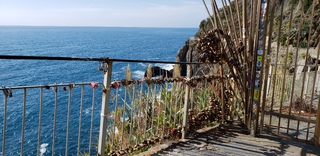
132	110
171	101
295	68
244	36
175	104
114	118
4	125
312	94
139	111
204	3
238	16
146	113
164	110
317	125
232	22
40	121
23	120
123	116
222	93
317	128
186	105
316	66
304	74
254	36
92	117
264	76
54	118
276	63
80	119
153	107
159	112
104	109
68	119
285	66
180	103
226	15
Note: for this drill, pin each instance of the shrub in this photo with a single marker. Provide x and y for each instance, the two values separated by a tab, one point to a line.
283	39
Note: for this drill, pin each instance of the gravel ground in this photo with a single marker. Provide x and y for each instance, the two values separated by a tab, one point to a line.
231	139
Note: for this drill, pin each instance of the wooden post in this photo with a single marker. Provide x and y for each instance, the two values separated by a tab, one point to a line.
186	105
104	109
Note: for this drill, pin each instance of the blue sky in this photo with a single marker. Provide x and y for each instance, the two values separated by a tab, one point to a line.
125	13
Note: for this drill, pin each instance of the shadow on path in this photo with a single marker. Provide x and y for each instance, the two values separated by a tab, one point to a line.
233	139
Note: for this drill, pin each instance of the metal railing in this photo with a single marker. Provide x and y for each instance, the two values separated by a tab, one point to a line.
66	106
64	96
134	114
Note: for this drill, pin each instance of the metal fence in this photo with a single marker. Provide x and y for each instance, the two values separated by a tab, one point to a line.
61	107
253	83
134	114
289	99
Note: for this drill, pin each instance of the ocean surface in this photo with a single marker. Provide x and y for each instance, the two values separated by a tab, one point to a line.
95	42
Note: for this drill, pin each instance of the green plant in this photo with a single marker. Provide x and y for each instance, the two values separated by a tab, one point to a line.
303	44
283	39
307	4
303	55
290	57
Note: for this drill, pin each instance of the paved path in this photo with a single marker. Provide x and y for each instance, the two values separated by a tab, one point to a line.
231	140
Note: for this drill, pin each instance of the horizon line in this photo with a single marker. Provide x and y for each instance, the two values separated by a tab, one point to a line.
96	26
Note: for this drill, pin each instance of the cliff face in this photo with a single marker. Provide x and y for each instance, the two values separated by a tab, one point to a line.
189	53
297	17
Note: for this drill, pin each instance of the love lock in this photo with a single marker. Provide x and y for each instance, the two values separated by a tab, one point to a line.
115	84
94	84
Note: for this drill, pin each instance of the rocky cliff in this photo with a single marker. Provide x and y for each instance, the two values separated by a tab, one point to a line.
188	53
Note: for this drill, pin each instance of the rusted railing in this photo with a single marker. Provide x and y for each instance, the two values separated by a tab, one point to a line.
290	105
134	113
18	102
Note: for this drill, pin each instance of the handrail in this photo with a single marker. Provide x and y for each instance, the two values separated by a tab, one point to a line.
44	86
102	59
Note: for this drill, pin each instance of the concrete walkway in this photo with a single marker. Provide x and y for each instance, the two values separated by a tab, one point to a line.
231	140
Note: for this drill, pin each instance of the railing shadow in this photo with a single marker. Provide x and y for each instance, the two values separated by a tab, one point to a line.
232	139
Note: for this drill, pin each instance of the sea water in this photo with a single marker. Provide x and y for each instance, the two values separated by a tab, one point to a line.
95	42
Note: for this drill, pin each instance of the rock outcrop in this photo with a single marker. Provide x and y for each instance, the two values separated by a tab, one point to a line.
188	53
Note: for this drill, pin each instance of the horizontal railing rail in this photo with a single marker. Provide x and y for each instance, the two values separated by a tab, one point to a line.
103	59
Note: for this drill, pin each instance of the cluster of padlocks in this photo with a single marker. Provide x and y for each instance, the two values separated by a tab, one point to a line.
209	48
212	113
175	133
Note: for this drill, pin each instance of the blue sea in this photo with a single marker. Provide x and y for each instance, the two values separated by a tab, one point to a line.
95	42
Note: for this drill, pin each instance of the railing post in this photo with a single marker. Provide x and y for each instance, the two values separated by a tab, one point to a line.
104	108
317	129
222	93
186	105
4	124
